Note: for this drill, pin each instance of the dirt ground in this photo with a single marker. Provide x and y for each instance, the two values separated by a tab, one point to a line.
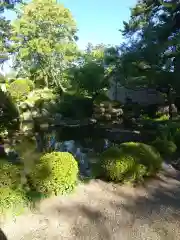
99	210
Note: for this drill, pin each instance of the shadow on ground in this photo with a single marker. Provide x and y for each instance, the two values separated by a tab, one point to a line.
100	210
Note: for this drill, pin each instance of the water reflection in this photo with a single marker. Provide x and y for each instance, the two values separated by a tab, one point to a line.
76	148
83	150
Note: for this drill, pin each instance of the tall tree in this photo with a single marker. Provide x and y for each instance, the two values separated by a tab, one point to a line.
155	26
152	53
43	38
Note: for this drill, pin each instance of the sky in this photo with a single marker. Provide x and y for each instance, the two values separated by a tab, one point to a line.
98	21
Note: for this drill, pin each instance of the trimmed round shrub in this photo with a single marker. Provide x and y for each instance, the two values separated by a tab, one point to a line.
165	147
130	162
19	89
12	201
56	173
10	175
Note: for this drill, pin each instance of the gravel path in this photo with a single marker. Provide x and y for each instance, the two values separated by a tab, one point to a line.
99	210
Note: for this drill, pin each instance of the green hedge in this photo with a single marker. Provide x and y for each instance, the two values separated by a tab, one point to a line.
165	147
56	173
130	162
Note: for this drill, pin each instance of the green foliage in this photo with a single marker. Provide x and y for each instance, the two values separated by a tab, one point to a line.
177	139
12	201
131	162
164	117
30	83
91	78
153	30
39	103
39	95
2	79
44	41
12	197
56	173
20	88
75	106
5	29
112	152
90	75
8	113
96	170
165	147
9	175
44	93
121	168
143	154
101	98
151	110
168	130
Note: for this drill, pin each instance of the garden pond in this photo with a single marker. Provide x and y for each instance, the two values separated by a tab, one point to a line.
84	150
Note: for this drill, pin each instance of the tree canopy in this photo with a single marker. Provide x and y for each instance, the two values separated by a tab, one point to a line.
43	40
5	28
90	73
152	50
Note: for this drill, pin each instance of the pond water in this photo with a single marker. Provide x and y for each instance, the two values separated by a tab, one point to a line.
83	142
84	150
81	150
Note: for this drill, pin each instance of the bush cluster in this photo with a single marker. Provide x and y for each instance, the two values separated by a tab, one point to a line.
165	147
75	106
12	197
8	112
10	175
12	201
56	173
130	162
